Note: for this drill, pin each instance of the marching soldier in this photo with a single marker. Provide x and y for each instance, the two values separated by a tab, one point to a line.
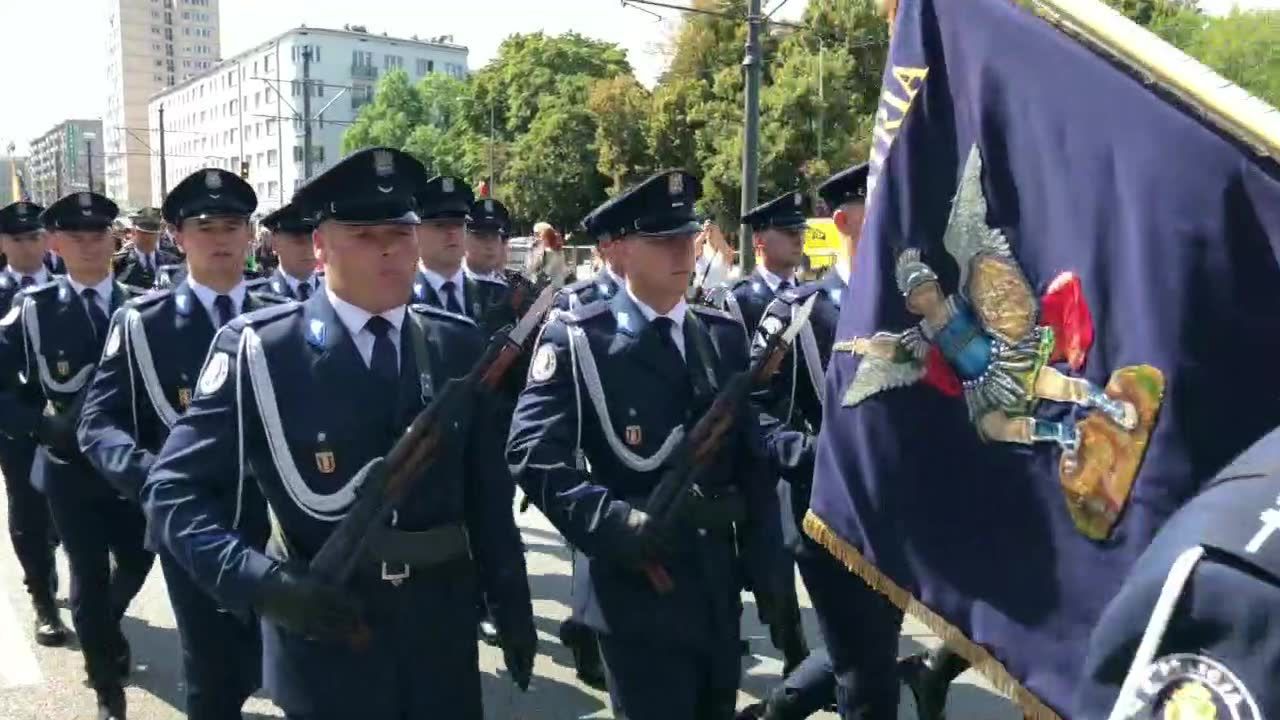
488	224
138	265
57	336
310	396
145	382
859	625
610	240
1191	633
445	203
30	529
295	277
615	383
778	230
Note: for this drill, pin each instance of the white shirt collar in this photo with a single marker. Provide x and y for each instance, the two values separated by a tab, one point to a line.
614	276
675	314
41	276
294	282
773	281
436	279
355	318
207	295
104	287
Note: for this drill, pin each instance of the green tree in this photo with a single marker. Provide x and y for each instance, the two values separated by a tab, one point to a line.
1245	48
553	173
621	106
390	118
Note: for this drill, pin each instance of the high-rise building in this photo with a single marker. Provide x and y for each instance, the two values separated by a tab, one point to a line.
245	113
151	45
63	159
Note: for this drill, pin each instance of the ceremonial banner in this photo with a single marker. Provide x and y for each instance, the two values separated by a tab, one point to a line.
1063	319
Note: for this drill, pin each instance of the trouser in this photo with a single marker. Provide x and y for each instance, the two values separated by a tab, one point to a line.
652	682
96	530
30	528
221	654
807	690
860	627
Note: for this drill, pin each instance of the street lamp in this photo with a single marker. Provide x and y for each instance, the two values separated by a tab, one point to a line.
88	155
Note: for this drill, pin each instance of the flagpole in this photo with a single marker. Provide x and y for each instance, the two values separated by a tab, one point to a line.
1228	106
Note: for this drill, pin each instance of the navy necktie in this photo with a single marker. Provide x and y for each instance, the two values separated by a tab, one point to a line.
784	286
223	309
96	314
26	281
451	298
665	326
304	290
384	362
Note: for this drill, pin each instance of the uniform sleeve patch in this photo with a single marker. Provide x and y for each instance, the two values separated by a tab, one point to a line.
215	374
1186	685
543	367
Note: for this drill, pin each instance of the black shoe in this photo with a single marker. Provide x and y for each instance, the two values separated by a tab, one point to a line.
50	632
489	632
111	704
926	686
581	642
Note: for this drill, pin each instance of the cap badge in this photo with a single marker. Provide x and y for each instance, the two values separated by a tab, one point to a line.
798	199
86	200
383	164
488	206
212	180
446	185
675	184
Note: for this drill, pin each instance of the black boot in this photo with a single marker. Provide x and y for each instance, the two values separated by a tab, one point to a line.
929	676
49	630
581	641
111	704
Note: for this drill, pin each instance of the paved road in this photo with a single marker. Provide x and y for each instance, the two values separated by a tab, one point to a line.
46	684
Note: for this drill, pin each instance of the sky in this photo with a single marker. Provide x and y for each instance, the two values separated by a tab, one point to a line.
66	71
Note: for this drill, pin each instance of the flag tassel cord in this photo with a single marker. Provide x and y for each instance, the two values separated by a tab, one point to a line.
981	660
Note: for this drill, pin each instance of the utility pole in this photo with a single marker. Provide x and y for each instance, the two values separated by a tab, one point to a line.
164	175
88	156
751	65
306	112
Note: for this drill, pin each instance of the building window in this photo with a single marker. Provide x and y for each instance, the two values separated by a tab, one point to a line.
271	127
422	66
270	96
393	61
271	158
318	151
297	153
235	104
257	99
273	189
266	63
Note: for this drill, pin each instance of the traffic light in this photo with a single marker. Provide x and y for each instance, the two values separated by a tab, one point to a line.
244	169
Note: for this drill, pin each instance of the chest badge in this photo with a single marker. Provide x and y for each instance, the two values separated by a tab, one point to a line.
325	460
634	436
63	366
184	397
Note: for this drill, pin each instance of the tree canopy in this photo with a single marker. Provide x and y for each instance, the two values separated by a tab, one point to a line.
561	121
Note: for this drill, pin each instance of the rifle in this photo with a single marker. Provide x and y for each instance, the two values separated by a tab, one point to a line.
418	448
701	444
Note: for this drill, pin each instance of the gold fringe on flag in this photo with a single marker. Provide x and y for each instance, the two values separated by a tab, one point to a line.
978	657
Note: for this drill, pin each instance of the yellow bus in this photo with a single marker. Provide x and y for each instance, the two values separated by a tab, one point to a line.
821	244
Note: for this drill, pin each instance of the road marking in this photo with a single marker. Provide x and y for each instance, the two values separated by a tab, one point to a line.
18	665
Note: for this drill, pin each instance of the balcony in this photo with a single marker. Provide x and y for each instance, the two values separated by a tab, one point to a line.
364	72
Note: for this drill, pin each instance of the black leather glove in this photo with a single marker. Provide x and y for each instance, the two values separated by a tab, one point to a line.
642	541
58	433
308	608
519	648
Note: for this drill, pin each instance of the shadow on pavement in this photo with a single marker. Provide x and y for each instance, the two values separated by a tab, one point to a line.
157	660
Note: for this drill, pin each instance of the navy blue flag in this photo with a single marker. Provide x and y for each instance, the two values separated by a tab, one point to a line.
1064	318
